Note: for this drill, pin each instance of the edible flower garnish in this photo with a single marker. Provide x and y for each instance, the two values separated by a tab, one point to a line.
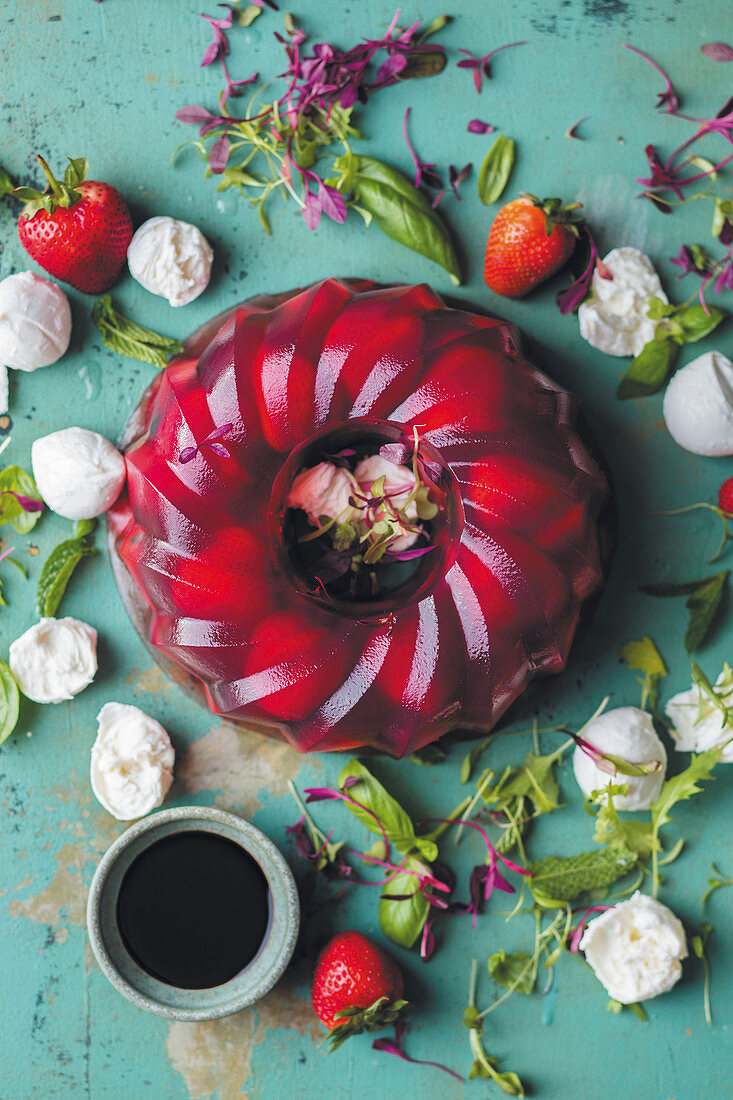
481	66
394	1046
189	453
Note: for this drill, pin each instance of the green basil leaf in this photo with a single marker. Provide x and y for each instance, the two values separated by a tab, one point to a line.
562	878
59	566
9	702
696	323
402	921
371	794
649	371
126	337
14	479
514	972
6	184
495	170
401	212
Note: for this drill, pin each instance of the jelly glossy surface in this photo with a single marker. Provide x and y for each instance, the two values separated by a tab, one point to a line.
523	553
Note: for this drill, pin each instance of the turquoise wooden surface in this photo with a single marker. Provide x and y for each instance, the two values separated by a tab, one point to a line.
105	80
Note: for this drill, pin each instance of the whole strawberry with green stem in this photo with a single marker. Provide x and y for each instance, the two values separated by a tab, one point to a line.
725	497
529	241
77	229
356	987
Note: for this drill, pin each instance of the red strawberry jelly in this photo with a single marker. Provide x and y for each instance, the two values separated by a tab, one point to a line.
228	591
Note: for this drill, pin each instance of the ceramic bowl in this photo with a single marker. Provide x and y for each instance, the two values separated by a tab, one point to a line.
156	996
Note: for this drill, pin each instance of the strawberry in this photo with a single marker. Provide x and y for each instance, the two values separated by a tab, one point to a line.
356	987
530	240
725	496
77	230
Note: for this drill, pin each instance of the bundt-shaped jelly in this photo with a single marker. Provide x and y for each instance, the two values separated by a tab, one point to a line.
268	389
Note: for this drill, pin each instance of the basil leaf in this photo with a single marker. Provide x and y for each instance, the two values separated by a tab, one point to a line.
14	479
6	184
562	878
371	794
59	566
402	921
400	211
9	702
696	323
515	972
495	170
648	371
126	337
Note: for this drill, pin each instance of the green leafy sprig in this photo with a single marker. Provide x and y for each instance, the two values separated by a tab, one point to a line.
9	702
126	337
705	600
60	565
484	1065
496	170
643	656
676	325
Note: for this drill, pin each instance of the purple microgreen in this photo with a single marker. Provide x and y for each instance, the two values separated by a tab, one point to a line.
614	765
717	51
28	504
427	940
219	155
234	87
424	173
481	66
319	794
189	453
476	126
392	67
577	934
668	98
394	1046
220	46
455	179
569	299
570	132
408	555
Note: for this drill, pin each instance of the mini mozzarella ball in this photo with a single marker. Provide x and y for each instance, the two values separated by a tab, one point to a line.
614	319
132	761
698	725
79	473
636	949
698	405
54	660
629	733
171	259
35	322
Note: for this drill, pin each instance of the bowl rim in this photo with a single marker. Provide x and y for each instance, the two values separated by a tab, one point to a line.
253	840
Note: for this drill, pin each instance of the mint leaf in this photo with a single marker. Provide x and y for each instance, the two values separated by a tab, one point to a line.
648	371
515	972
9	702
562	878
643	656
495	170
125	337
705	600
59	566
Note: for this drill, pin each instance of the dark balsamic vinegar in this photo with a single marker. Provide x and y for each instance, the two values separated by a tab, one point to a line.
194	909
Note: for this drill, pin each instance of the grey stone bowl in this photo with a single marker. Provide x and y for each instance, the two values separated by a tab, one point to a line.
142	988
